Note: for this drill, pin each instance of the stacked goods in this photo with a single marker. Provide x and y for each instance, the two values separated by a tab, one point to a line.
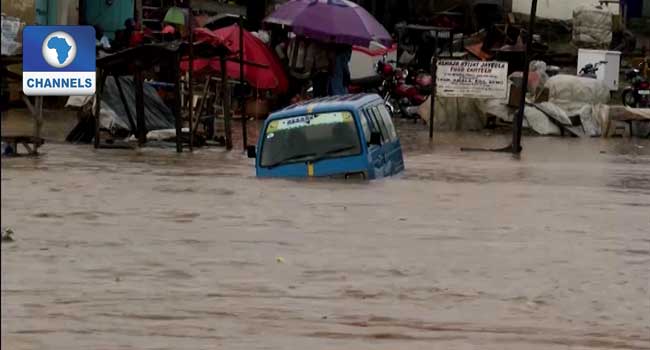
592	27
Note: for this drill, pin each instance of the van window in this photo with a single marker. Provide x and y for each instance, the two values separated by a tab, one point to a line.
374	127
364	126
385	114
377	119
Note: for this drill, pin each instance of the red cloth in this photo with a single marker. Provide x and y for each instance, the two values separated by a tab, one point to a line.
272	77
136	39
168	30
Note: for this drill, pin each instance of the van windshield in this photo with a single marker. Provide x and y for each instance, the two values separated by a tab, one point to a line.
310	138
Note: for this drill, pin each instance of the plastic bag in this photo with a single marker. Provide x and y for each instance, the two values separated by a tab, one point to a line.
10	30
538	67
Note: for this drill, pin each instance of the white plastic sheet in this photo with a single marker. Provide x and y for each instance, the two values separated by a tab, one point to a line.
571	93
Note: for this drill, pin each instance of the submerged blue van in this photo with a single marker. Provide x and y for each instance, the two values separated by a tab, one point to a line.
350	136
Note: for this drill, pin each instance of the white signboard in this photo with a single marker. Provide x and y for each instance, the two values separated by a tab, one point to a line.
476	79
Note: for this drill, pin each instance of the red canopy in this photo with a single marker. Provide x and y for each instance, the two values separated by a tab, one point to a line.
271	77
204	35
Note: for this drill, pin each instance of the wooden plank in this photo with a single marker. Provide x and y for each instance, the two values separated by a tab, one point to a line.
226	104
204	96
29	104
38	122
98	103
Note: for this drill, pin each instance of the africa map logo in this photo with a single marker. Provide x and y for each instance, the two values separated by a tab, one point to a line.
59	60
59	49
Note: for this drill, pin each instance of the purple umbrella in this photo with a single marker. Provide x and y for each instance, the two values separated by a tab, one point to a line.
338	21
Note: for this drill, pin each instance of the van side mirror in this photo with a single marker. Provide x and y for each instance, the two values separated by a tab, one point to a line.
251	151
375	138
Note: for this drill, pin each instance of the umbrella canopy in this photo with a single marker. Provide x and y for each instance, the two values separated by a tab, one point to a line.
270	77
338	21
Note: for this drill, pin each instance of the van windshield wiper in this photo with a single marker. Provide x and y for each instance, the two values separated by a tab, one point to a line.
293	157
340	149
332	151
311	154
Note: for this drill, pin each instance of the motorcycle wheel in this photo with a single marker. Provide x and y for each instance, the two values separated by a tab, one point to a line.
629	99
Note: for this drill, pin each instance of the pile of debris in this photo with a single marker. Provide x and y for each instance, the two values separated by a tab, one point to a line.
558	105
113	115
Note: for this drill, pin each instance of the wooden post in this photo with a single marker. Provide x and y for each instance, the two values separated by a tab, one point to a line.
190	84
226	103
138	13
241	83
519	119
38	122
139	105
98	103
178	117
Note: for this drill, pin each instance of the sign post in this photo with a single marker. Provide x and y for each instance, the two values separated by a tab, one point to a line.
474	79
519	119
434	67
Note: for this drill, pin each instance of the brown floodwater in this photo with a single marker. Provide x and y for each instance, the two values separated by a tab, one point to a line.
148	249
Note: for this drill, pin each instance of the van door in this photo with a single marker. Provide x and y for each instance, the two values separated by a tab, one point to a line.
392	148
386	139
376	157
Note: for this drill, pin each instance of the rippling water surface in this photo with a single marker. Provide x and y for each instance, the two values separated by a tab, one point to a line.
147	249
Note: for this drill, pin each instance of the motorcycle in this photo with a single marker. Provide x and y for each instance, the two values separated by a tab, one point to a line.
590	70
637	94
404	91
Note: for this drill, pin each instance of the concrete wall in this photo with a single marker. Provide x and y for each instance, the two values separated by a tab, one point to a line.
110	18
555	9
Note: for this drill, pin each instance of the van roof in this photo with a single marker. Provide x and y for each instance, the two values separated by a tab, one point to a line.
343	101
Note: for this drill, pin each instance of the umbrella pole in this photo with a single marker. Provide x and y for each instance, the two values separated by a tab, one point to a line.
190	75
241	83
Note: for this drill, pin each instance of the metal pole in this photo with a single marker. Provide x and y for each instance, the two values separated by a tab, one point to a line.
190	75
241	83
519	119
432	97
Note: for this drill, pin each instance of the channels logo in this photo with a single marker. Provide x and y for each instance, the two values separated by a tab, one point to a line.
58	60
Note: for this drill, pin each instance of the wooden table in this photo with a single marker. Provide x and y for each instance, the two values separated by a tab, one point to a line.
35	108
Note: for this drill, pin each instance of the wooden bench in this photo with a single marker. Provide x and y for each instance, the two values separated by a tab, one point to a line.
30	143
